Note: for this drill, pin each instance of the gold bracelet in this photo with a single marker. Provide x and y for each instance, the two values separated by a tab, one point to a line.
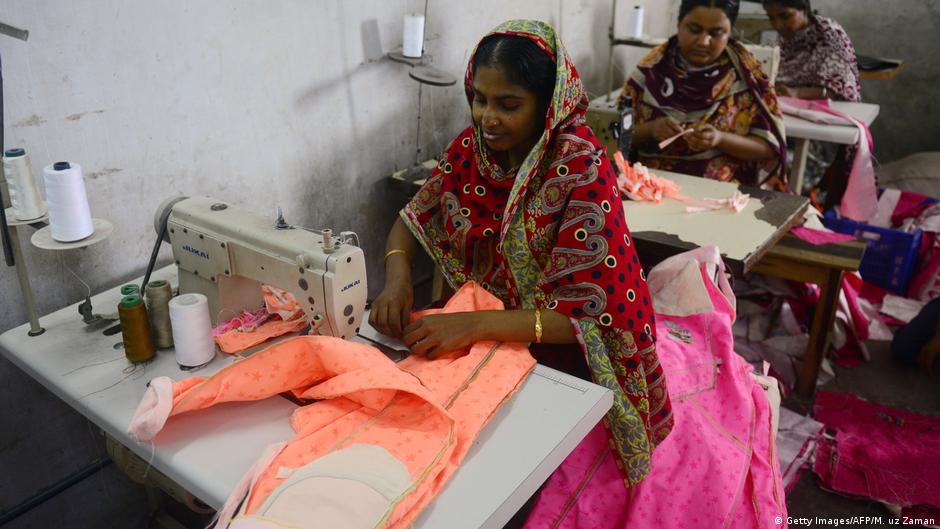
538	326
393	252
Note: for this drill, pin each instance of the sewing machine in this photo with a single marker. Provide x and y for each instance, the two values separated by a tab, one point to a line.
226	253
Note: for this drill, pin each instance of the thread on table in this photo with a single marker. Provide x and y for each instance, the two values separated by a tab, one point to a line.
157	297
130	289
135	329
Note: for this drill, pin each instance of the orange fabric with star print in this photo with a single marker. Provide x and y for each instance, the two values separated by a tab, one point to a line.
413	422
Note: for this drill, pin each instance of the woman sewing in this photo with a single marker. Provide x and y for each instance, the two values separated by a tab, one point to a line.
525	203
817	59
707	94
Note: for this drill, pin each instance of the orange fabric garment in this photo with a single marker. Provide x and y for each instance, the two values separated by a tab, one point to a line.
288	317
417	417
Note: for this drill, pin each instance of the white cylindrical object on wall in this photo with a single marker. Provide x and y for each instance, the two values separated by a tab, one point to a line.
69	214
24	193
635	23
413	36
192	330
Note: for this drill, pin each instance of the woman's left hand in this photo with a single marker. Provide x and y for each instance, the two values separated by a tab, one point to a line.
435	334
705	137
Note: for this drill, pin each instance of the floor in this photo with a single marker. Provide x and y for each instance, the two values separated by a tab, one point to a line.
107	499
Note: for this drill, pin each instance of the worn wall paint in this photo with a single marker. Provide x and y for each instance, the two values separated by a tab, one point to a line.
286	103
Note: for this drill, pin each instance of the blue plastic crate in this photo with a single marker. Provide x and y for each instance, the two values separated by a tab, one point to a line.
891	256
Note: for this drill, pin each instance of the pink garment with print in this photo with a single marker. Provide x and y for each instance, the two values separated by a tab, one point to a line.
381	440
860	200
718	468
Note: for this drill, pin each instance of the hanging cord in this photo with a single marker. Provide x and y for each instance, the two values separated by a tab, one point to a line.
4	235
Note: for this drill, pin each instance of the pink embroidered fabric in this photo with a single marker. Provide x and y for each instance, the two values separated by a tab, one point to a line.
718	467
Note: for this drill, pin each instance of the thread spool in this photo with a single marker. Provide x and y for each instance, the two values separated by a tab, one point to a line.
24	193
635	23
69	213
192	330
413	36
157	299
130	289
135	329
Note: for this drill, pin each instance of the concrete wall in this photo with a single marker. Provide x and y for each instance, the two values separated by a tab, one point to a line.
901	29
257	103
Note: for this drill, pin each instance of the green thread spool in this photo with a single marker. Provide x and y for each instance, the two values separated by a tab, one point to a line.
135	329
130	289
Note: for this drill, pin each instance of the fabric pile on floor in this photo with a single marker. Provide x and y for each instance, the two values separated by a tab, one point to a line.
879	452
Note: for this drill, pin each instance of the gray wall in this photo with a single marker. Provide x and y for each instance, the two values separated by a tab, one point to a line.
900	29
257	103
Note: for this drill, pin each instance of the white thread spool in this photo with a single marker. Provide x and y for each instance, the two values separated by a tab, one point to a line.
192	330
413	36
24	193
69	214
635	23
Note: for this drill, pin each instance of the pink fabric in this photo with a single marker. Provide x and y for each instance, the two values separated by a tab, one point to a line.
718	467
639	184
818	237
879	452
860	200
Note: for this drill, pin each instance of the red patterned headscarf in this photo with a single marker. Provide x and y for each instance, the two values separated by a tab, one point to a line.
552	235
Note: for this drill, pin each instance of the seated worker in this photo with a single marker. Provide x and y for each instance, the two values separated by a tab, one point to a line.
525	203
704	80
817	59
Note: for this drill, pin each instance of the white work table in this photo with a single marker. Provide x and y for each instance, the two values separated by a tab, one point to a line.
803	131
208	451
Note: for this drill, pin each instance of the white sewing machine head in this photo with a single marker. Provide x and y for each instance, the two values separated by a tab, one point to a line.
226	252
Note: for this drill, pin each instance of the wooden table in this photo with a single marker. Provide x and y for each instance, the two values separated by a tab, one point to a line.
824	265
802	131
663	230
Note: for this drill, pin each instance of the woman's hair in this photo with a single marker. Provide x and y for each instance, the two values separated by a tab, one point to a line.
730	7
522	61
802	5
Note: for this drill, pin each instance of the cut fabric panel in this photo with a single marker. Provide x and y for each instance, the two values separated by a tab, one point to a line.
718	467
381	440
879	452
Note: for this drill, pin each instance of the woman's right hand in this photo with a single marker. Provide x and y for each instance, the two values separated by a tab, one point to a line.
665	128
391	311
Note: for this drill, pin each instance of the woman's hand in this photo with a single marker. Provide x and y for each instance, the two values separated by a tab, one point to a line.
665	128
435	334
705	137
391	311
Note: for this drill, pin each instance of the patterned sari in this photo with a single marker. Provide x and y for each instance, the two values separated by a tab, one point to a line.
552	235
733	95
821	54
